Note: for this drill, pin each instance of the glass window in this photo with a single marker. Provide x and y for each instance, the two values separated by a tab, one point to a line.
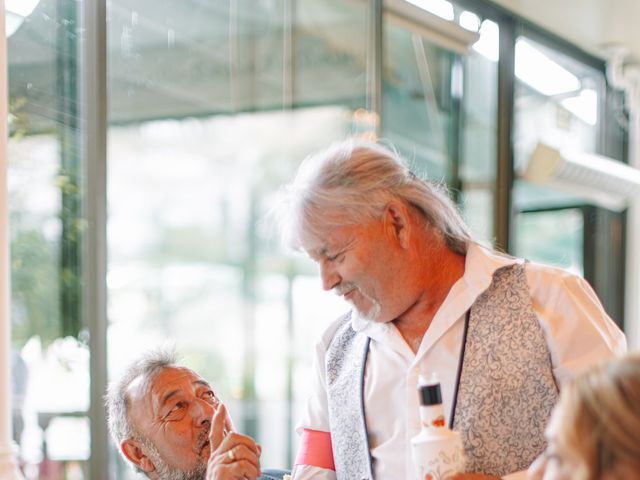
439	111
50	359
197	153
553	237
557	101
417	105
479	126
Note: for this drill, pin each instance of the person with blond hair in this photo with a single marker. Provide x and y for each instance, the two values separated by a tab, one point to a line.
594	432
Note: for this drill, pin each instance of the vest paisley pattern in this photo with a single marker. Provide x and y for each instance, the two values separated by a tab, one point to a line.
507	389
505	394
345	363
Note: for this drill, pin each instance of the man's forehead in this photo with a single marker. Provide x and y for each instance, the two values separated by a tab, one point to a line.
170	377
315	232
320	244
167	379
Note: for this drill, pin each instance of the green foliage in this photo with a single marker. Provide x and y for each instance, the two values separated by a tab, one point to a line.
34	285
18	120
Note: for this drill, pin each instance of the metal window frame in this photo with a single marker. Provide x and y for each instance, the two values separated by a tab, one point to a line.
94	114
374	60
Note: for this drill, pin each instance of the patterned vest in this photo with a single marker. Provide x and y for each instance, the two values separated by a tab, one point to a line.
505	391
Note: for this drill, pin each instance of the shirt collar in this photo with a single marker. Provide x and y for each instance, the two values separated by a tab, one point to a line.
371	329
480	265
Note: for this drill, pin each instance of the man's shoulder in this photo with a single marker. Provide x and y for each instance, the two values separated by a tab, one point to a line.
543	278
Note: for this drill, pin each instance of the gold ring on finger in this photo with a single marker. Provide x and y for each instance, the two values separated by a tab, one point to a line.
231	455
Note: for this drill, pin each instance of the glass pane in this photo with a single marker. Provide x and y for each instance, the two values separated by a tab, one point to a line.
479	126
559	103
553	237
439	110
196	160
417	106
556	103
330	52
50	369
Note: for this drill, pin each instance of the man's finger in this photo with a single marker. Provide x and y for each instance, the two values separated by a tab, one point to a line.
216	435
244	469
233	439
240	469
229	424
242	452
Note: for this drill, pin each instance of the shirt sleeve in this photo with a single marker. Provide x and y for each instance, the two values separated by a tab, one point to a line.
309	472
316	413
578	331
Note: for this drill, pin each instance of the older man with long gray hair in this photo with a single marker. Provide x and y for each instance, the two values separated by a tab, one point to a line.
500	333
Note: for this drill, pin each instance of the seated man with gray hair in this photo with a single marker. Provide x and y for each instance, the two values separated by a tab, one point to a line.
169	424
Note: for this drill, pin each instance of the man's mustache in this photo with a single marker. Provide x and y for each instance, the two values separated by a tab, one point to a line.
203	438
344	288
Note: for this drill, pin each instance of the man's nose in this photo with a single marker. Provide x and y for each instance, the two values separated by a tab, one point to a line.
329	276
202	412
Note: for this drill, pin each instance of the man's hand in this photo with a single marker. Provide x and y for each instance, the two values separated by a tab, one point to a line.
474	476
233	456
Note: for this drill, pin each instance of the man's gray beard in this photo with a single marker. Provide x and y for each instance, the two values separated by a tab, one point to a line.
374	312
165	472
373	315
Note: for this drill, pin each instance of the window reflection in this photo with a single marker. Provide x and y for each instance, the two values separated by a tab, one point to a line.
212	106
554	237
556	103
50	367
193	258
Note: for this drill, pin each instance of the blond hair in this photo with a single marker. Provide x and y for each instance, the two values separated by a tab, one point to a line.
599	425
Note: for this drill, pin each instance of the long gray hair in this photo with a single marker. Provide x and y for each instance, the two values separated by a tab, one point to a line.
353	181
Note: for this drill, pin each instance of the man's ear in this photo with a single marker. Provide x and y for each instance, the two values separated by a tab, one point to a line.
397	221
133	450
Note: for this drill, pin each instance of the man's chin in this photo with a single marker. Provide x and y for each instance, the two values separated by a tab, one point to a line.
199	472
166	472
371	314
366	307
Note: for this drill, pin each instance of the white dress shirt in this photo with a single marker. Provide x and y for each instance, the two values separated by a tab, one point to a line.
579	334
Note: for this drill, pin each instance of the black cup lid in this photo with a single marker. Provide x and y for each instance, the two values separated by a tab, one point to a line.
430	394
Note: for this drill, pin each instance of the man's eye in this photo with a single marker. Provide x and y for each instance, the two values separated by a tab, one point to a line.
337	256
176	408
210	397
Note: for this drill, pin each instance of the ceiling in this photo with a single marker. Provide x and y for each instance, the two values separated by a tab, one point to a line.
590	24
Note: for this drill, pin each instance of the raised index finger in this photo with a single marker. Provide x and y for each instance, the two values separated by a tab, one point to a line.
216	435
